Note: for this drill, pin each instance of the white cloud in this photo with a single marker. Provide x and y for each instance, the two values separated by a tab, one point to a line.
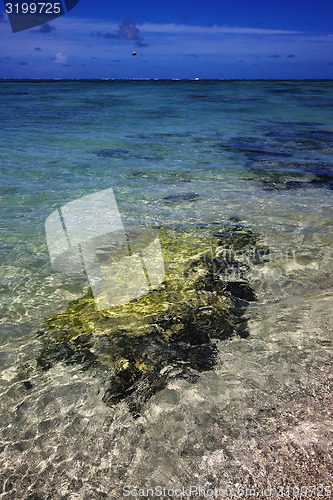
208	30
60	58
86	25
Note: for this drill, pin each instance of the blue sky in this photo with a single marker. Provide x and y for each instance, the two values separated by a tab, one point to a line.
175	39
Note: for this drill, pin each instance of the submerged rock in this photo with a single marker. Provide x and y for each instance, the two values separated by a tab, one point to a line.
256	148
181	197
113	153
167	333
323	180
290	180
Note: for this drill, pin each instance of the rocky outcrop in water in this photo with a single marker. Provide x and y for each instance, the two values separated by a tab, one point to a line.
170	332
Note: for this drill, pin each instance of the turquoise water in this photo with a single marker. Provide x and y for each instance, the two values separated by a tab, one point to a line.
259	152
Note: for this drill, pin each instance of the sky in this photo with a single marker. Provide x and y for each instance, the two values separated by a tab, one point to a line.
175	39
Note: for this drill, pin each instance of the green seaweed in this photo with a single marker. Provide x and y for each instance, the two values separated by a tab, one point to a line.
236	237
167	332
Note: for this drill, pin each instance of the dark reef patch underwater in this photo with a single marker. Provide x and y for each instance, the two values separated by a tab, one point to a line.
271	157
170	332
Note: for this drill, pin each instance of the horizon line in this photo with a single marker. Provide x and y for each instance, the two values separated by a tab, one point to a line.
165	79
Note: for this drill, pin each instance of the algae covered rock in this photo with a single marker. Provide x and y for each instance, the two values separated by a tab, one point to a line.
168	332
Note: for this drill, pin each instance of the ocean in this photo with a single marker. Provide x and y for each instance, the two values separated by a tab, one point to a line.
186	156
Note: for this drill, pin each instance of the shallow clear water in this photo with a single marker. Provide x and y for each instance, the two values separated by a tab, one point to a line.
257	152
